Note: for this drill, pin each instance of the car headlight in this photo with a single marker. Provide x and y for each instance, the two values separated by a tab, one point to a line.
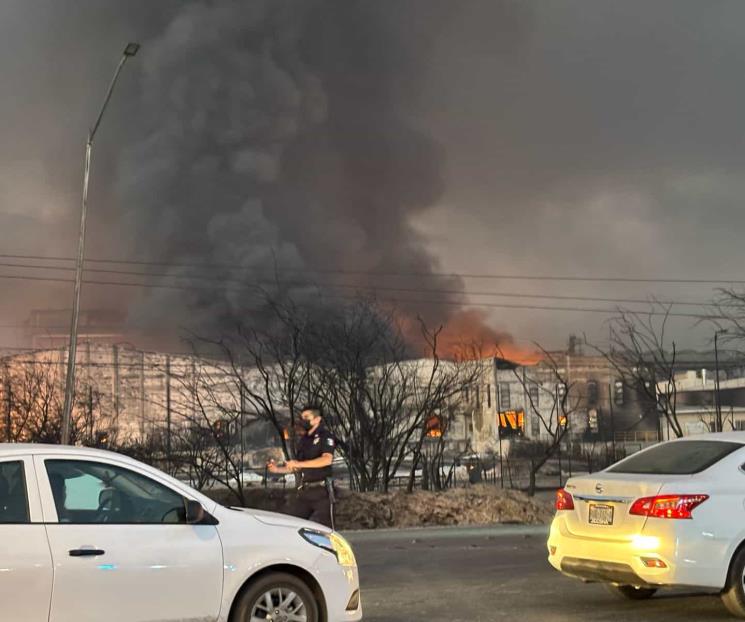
331	542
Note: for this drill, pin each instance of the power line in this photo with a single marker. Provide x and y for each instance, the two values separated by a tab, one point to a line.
93	328
374	288
120	283
464	275
391	300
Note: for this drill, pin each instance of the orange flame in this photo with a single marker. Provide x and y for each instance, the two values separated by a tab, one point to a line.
434	427
466	334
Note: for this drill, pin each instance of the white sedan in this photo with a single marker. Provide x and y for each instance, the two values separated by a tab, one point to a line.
671	515
93	536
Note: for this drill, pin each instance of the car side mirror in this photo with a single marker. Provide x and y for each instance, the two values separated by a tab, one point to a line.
195	513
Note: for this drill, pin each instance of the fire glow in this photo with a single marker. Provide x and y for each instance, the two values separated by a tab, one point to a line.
467	335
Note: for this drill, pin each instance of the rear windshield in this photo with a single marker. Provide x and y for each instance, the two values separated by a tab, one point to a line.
677	458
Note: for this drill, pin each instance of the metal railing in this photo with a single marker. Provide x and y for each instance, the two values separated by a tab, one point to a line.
637	436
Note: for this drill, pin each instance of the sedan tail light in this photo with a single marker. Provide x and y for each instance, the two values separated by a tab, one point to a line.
564	500
667	506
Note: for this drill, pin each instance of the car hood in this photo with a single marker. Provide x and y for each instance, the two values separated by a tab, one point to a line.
282	520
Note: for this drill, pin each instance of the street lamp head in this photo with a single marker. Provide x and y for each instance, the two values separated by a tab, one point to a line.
131	49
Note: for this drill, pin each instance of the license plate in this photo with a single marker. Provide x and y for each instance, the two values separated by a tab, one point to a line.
601	514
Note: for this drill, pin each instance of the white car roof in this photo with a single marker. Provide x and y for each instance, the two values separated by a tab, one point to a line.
40	448
734	437
29	449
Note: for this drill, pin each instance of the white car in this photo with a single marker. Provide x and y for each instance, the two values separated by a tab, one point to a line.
671	515
93	536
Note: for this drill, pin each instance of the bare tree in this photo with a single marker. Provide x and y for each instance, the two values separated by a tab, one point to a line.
363	377
440	394
645	359
728	315
205	426
31	394
553	387
31	401
269	367
430	451
355	361
379	397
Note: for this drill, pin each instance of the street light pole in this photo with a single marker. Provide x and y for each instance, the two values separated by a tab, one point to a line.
717	397
129	51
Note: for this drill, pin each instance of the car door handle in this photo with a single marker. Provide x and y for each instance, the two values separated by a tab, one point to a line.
86	552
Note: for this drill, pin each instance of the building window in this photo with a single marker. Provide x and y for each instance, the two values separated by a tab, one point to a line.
592	420
618	393
14	502
504	396
740	425
592	393
488	396
95	492
534	395
434	427
561	390
535	425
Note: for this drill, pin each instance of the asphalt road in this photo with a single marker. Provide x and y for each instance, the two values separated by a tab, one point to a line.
487	575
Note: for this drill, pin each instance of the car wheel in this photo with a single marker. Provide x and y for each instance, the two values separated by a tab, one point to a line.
278	597
631	592
733	595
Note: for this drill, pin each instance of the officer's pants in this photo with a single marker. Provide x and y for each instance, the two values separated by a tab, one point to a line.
312	504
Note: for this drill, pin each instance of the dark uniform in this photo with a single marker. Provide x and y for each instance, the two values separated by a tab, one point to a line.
312	501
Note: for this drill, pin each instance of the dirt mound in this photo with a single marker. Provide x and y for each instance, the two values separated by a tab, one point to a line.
476	505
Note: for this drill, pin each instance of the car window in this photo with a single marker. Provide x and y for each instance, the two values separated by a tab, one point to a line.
96	492
676	458
83	492
13	495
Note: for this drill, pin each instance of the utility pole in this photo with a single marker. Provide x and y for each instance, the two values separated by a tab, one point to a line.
168	411
612	423
241	424
559	426
717	397
129	51
115	381
142	394
91	428
8	412
499	428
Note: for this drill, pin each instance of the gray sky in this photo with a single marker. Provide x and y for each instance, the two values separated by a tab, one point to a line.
575	137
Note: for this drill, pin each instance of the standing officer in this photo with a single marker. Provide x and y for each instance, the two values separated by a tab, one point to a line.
315	453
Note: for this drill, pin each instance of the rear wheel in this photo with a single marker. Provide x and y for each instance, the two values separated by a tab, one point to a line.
631	592
733	595
278	597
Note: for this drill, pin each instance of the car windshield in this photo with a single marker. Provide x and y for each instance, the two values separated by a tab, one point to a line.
676	458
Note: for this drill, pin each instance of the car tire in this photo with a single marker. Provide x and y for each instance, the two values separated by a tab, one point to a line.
733	595
277	586
631	592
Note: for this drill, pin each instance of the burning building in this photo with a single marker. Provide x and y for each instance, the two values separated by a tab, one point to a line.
520	402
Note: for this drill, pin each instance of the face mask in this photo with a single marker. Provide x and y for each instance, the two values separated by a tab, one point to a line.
307	424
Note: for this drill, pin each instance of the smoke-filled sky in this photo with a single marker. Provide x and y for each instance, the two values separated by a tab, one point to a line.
419	137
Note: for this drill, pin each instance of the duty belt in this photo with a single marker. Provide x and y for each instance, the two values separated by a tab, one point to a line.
307	485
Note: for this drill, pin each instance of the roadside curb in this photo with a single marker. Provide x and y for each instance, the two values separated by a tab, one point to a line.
445	532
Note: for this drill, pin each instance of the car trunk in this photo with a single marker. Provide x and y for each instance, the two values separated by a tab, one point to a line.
602	503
